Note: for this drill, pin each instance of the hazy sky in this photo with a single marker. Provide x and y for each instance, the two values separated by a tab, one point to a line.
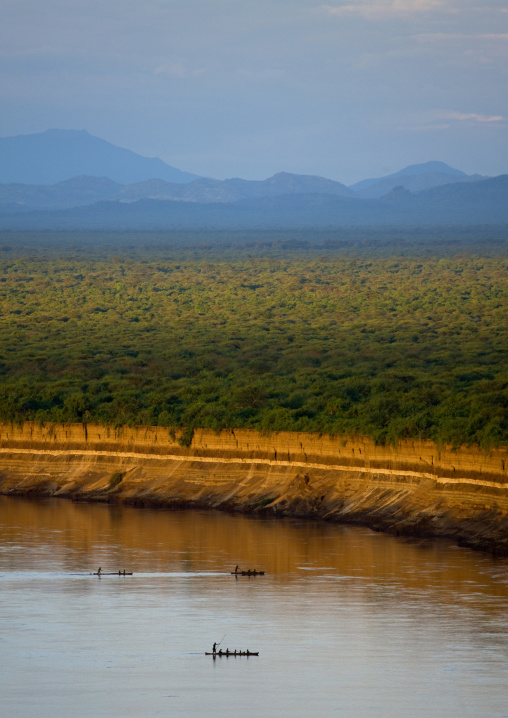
345	89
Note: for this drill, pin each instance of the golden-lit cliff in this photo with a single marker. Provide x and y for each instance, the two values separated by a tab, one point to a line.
416	488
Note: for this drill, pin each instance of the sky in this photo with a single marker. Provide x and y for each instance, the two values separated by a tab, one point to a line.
345	89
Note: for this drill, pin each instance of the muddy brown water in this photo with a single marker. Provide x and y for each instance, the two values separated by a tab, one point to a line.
347	622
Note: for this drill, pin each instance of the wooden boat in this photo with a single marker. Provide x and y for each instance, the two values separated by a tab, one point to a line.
228	653
112	573
248	573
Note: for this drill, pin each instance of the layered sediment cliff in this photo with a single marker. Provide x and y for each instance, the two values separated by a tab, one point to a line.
416	488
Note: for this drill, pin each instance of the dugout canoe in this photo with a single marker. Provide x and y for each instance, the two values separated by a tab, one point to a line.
233	653
112	573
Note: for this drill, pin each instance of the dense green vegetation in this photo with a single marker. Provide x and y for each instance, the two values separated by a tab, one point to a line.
386	336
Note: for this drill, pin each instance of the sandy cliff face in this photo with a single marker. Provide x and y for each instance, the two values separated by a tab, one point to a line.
416	488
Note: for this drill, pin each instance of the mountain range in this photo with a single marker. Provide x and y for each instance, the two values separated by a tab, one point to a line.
415	178
87	190
56	155
115	188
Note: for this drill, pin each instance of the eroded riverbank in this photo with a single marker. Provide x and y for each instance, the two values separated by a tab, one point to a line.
415	489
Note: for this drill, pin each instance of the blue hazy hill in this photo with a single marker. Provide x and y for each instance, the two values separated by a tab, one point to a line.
477	203
56	155
414	178
82	190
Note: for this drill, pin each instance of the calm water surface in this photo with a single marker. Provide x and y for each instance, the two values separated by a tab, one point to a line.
347	622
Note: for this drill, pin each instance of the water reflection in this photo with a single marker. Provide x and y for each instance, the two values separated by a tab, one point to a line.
75	536
346	621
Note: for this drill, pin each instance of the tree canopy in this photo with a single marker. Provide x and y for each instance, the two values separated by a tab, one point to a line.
313	334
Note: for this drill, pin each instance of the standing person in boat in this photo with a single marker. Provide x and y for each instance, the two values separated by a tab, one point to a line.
99	571
214	649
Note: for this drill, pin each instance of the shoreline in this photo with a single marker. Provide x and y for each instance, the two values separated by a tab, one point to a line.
415	489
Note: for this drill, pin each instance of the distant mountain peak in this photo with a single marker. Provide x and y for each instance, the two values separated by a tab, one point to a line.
307	183
431	166
415	178
54	155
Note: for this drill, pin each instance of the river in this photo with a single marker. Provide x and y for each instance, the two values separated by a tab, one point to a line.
347	622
